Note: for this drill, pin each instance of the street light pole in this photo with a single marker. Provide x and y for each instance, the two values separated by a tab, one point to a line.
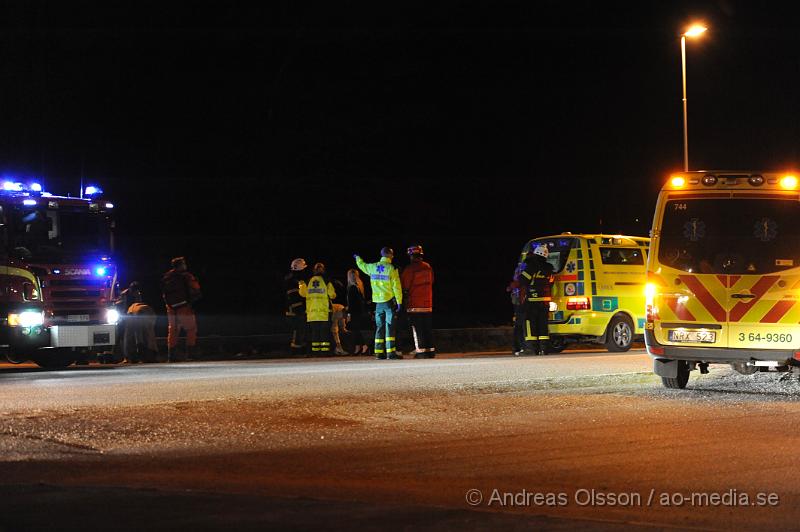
694	31
685	112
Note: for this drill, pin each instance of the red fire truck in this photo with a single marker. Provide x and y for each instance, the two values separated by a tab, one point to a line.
66	242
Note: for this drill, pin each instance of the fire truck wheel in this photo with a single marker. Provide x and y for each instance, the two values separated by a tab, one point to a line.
17	357
54	361
679	382
557	344
619	335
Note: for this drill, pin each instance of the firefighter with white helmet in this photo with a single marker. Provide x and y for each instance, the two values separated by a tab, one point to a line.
296	305
536	280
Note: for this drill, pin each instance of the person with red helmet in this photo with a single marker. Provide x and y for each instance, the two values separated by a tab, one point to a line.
417	281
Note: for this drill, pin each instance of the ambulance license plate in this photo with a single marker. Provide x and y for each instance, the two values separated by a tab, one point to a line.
692	336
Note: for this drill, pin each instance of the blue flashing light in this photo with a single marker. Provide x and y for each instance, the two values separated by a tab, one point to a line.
93	190
11	186
100	271
57	271
36	187
29	202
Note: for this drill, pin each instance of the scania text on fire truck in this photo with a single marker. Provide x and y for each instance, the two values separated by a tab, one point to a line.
67	242
724	274
598	292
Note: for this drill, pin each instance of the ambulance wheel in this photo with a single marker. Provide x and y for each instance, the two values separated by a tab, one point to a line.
679	382
619	335
557	345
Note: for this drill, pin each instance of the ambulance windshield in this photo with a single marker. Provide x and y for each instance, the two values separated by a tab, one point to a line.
731	236
558	250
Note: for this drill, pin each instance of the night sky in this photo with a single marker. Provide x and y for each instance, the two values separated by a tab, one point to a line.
243	137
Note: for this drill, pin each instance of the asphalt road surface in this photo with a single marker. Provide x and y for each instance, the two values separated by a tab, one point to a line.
470	441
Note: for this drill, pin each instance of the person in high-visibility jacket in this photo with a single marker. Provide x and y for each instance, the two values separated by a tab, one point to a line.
319	293
387	294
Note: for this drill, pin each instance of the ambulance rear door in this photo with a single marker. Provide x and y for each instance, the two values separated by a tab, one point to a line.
761	257
691	297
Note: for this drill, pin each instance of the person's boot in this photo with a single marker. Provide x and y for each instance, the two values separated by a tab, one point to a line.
171	354
542	350
531	348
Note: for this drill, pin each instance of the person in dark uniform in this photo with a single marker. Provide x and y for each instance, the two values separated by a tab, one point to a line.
537	280
296	306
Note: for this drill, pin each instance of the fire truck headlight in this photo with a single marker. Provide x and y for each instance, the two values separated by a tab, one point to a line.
112	316
26	318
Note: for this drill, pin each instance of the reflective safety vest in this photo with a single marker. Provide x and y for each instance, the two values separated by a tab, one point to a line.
318	296
384	279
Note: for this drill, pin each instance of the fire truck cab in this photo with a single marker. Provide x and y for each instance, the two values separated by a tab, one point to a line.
66	243
724	274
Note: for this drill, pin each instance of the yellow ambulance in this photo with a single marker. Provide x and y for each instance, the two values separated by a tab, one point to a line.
598	293
724	274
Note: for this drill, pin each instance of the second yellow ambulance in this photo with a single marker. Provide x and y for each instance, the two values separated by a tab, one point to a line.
598	293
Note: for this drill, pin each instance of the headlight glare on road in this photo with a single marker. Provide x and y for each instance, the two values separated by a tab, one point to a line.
26	318
112	316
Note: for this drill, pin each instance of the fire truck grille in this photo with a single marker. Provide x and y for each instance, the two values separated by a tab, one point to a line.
75	300
79	283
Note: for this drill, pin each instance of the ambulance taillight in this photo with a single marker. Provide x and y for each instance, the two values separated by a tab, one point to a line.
578	303
651	311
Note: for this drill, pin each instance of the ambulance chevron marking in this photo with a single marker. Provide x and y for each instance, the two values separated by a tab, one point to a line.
758	290
704	297
680	310
777	311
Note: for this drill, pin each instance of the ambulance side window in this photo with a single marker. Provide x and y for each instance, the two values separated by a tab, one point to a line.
621	256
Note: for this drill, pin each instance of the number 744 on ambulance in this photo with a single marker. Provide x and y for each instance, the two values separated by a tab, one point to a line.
723	274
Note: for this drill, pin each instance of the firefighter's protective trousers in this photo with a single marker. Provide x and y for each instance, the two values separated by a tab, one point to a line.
181	318
536	333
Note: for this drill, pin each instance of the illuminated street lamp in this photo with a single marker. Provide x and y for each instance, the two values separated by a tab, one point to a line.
694	31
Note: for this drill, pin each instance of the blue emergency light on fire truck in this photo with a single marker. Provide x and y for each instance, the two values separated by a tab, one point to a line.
67	243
